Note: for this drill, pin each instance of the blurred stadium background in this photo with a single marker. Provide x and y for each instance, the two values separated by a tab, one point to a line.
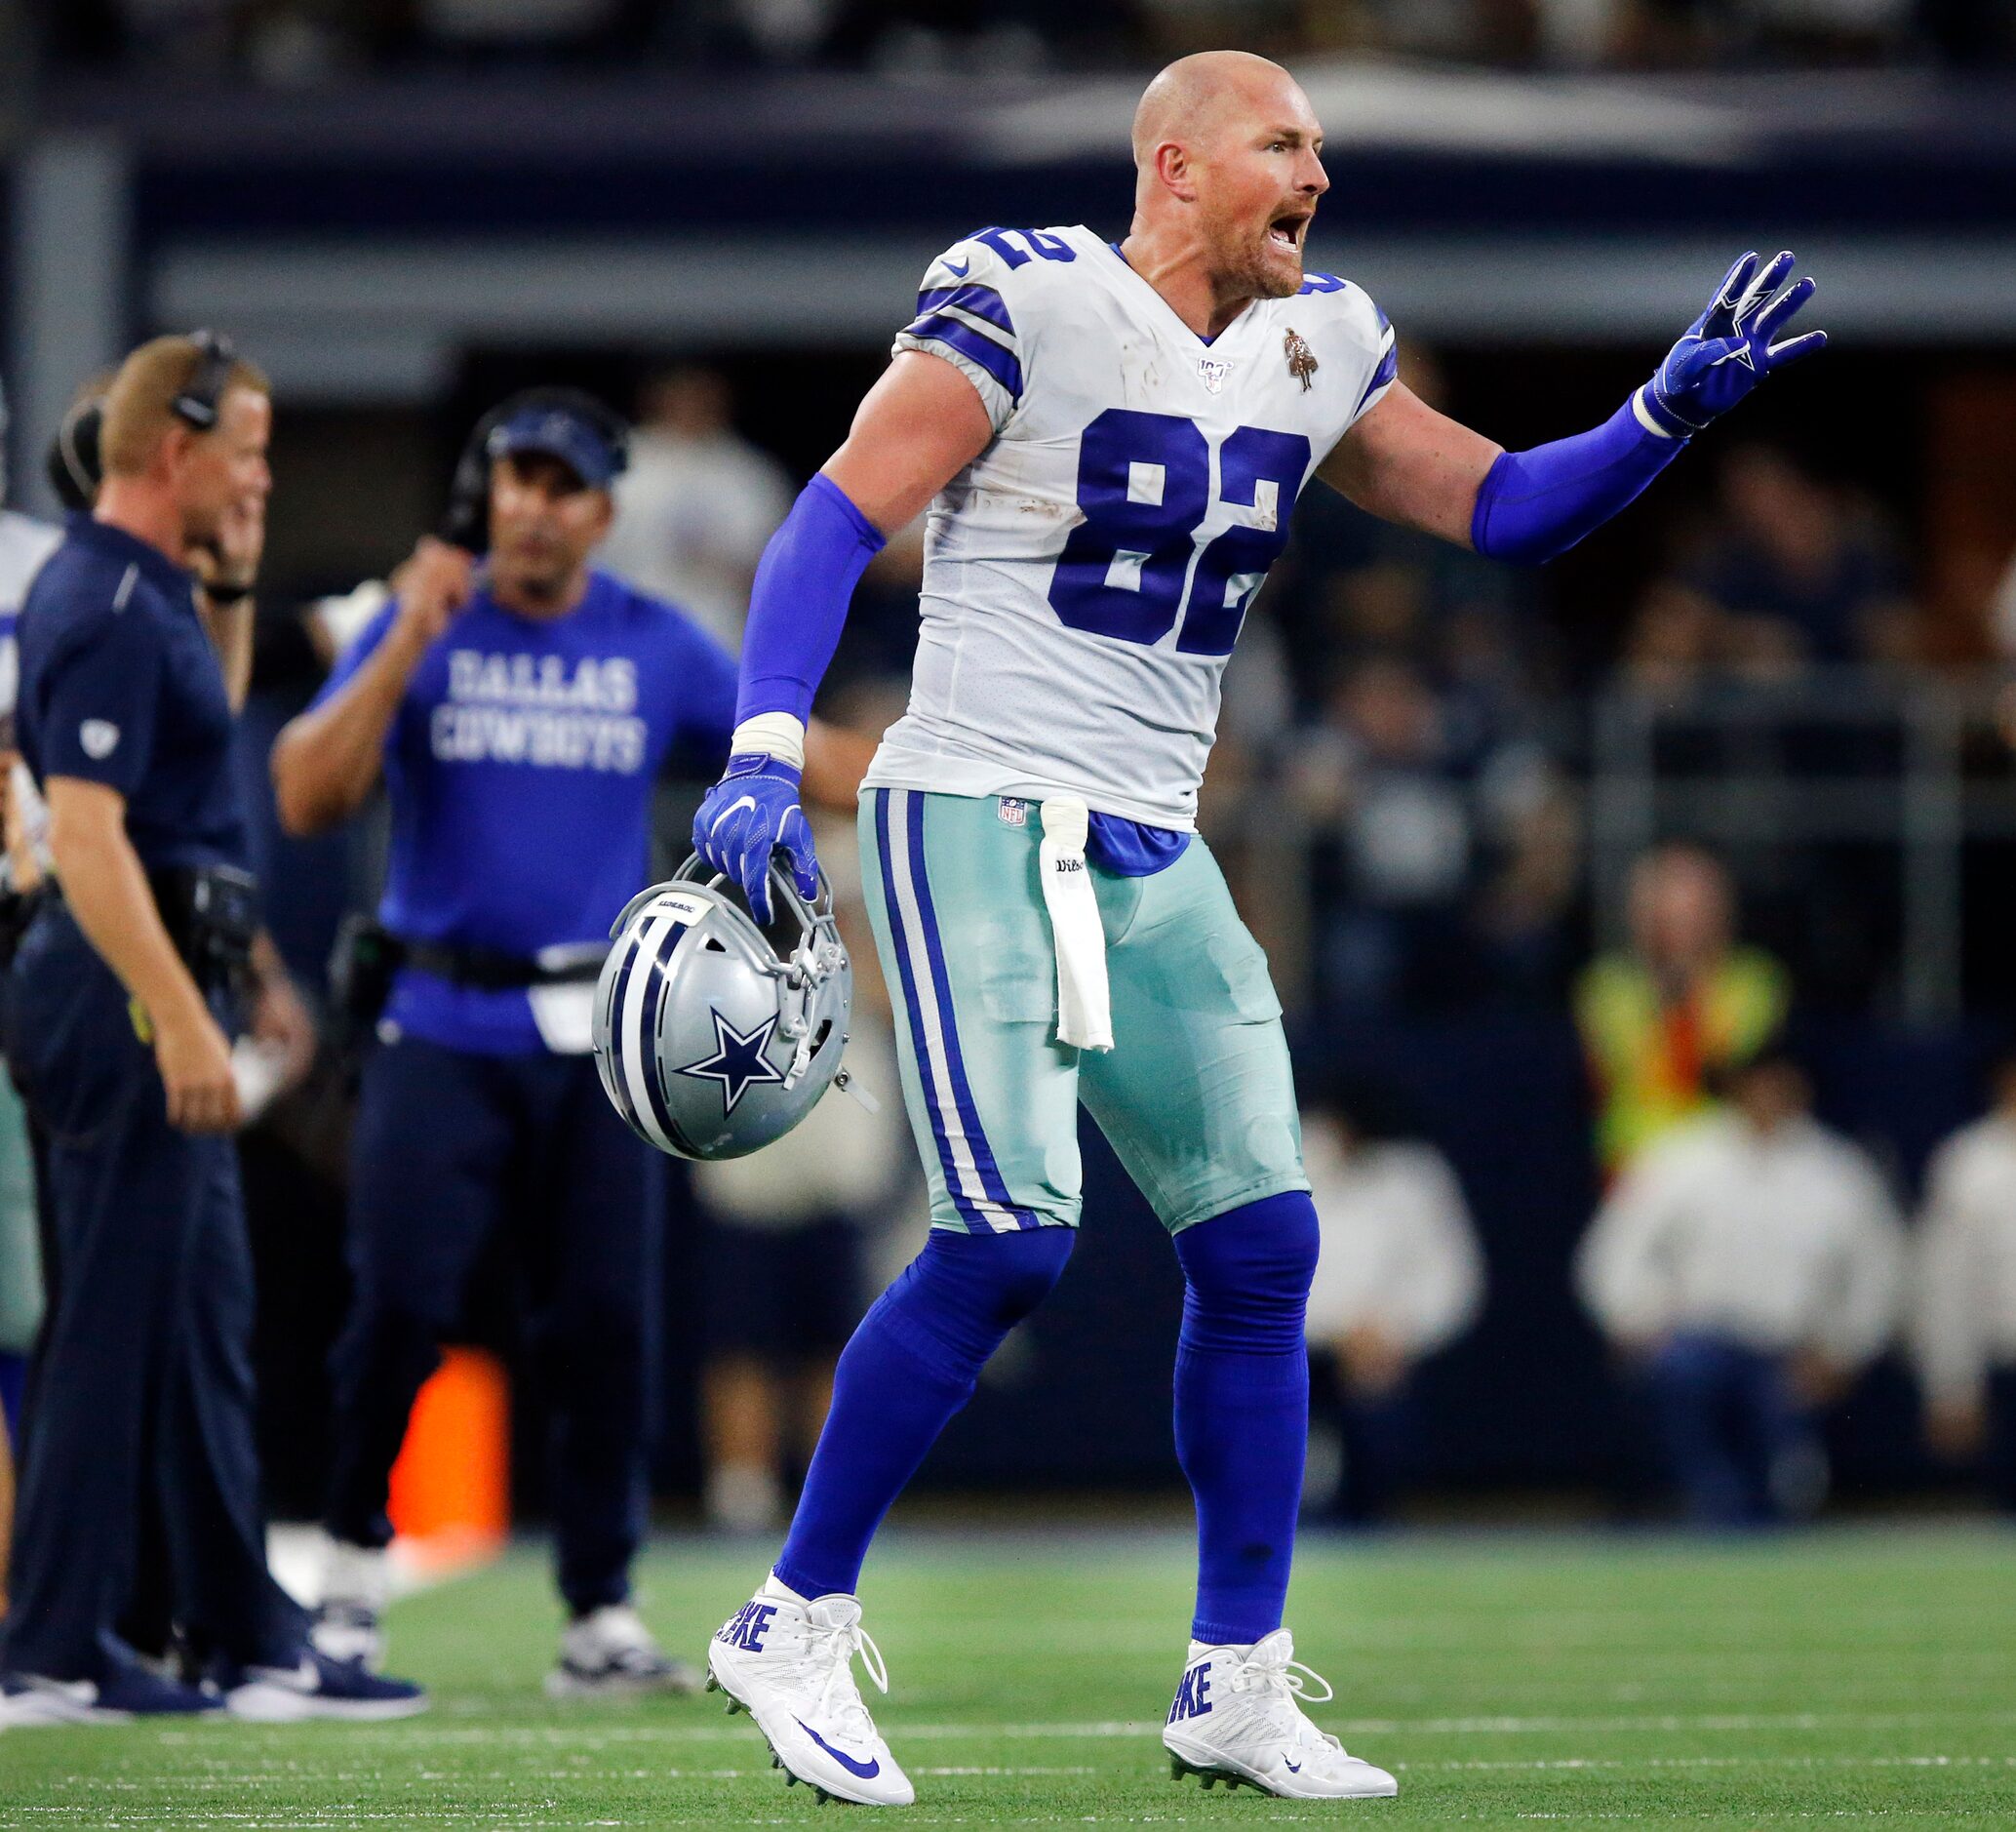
714	212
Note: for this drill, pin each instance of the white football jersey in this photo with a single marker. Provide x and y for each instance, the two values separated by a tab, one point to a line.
1086	574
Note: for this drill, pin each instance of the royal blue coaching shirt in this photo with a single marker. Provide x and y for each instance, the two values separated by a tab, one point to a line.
521	766
119	685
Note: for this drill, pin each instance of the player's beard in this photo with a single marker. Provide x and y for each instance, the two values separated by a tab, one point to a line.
1249	266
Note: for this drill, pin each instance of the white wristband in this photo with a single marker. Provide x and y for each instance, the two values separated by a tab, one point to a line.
1643	415
774	733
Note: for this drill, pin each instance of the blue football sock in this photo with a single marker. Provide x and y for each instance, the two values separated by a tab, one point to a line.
1243	1407
911	1364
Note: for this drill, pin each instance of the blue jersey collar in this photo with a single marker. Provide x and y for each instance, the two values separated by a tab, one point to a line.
116	545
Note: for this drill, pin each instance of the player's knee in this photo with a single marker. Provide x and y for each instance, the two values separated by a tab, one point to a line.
1246	1275
970	1290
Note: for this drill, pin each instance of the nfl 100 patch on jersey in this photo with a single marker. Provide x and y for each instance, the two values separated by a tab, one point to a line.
1087	576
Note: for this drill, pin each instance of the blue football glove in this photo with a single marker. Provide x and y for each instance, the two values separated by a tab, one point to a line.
752	812
1729	350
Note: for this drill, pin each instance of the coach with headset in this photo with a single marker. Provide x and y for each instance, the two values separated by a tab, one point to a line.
519	713
128	981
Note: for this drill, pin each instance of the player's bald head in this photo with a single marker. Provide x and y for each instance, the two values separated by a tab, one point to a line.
1192	99
1228	170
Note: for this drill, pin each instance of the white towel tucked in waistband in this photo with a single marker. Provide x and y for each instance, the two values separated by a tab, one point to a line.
1084	1013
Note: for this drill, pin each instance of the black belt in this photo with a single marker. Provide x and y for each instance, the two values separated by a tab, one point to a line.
490	970
211	912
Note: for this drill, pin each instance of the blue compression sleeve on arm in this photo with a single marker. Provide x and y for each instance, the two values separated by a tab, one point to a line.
1532	505
803	583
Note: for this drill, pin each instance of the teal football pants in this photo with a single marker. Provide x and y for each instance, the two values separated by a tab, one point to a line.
1196	1096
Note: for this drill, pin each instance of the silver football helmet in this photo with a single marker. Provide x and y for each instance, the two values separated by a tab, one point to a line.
714	1036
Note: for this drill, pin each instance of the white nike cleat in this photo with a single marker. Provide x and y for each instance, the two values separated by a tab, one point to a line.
1236	1717
609	1654
790	1665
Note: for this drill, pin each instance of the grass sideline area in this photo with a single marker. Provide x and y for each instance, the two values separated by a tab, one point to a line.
1850	1676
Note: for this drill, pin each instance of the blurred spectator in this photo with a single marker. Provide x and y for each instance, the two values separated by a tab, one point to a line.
1523	918
1803	571
1681	642
1963	1323
1402	811
696	505
782	1268
1747	1265
1399	1275
1684	1002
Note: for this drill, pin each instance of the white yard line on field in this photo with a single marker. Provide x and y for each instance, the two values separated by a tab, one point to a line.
409	1736
1717	1762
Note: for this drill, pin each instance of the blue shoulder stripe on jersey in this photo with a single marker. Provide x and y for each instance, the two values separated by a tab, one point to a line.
975	345
1382	376
1323	283
992	333
983	301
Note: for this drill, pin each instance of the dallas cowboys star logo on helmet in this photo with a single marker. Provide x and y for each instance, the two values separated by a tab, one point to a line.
737	1062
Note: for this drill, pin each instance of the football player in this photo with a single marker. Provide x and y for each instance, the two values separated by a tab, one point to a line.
1110	439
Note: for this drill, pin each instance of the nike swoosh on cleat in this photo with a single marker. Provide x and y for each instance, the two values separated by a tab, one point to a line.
867	1770
1293	1768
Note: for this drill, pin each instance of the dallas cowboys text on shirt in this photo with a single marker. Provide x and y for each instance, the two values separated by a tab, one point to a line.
542	710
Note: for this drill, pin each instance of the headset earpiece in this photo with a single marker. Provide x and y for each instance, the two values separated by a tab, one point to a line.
75	468
198	404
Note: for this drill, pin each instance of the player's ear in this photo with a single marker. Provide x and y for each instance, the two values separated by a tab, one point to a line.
605	513
1174	166
172	455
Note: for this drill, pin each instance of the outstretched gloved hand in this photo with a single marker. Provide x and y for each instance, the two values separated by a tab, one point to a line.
1729	350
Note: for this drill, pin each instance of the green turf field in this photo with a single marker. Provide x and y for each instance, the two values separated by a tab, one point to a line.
1844	1677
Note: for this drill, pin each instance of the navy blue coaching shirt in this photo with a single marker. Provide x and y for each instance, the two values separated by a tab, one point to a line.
521	766
119	685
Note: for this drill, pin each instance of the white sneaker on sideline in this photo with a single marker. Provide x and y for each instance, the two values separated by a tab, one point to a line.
609	1654
314	1687
349	1619
789	1664
1238	1717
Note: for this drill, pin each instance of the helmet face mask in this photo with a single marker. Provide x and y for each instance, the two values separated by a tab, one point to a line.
712	1035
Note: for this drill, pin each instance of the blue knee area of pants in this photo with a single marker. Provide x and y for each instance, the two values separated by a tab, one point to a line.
952	1305
910	1367
1243	1407
1246	1274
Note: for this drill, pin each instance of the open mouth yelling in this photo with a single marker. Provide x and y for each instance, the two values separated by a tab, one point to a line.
1286	232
